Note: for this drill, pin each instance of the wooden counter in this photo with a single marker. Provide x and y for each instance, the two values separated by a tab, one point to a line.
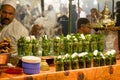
94	73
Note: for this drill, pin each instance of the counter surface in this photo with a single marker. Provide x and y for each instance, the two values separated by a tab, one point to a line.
95	73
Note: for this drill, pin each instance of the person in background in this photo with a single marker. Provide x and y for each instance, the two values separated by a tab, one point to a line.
42	26
118	22
18	12
74	19
63	20
81	13
48	21
37	31
51	15
22	13
83	26
27	21
118	13
11	28
94	16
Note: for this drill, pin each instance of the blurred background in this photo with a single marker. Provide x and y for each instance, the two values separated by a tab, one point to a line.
86	5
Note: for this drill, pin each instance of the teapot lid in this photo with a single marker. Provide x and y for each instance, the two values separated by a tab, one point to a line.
106	10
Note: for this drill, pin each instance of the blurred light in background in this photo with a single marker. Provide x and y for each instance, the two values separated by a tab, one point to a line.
17	2
95	2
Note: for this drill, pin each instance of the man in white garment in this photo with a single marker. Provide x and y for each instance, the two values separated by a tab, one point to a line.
50	21
11	28
50	14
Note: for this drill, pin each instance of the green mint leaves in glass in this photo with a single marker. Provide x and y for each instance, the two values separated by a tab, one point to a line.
86	43
28	48
68	44
35	47
45	46
96	58
20	46
24	46
74	61
113	60
62	46
79	45
88	60
75	45
81	59
59	64
110	57
56	45
102	59
100	42
67	62
93	43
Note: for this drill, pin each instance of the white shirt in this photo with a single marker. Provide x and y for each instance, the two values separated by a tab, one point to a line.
13	31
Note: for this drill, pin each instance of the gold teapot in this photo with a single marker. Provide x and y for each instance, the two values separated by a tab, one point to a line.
105	20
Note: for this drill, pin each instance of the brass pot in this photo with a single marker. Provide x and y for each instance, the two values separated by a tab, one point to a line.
44	65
